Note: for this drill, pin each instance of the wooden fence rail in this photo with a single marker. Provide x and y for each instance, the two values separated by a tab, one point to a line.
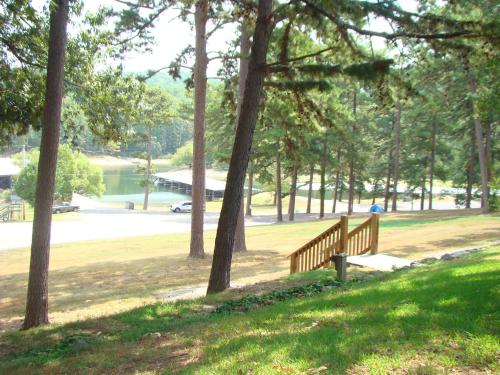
337	239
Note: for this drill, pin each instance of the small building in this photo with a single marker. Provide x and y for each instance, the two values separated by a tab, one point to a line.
182	181
7	172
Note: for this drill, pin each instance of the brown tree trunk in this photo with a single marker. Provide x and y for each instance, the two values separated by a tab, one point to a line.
250	189
350	202
488	149
479	138
341	188
200	96
38	289
239	237
279	204
220	274
293	194
309	191
336	189
422	195
322	188
397	147
470	168
148	169
387	194
433	160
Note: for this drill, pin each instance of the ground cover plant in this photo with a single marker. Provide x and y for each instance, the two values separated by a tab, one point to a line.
96	278
433	319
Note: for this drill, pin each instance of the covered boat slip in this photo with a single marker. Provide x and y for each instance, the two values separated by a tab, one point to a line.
182	182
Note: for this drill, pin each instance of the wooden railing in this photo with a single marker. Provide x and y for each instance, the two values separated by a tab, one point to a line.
364	237
337	239
4	213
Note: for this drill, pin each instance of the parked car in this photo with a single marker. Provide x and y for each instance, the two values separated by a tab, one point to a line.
181	207
64	207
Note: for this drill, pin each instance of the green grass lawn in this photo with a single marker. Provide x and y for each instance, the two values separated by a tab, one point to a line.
428	320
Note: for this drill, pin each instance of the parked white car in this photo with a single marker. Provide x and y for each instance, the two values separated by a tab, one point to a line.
181	207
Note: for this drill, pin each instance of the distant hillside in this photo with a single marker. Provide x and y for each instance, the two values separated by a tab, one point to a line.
165	82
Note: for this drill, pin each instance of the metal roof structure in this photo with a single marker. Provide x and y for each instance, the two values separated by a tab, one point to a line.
185	177
8	168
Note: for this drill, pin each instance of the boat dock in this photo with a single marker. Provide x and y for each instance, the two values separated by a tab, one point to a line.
182	181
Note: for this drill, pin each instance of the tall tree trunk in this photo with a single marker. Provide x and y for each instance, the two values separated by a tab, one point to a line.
470	166
148	168
422	195
200	96
279	202
38	289
239	238
220	274
374	191
479	138
250	189
341	187
488	149
293	194
322	188
397	148
350	202
310	189
336	189
433	159
387	194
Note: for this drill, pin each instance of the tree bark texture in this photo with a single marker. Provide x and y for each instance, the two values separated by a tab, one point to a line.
350	203
148	169
479	138
322	188
470	166
239	238
200	95
433	159
250	190
293	194
309	191
336	190
37	296
279	202
397	148
220	274
422	195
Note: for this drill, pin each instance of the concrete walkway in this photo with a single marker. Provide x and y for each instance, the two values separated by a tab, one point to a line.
379	262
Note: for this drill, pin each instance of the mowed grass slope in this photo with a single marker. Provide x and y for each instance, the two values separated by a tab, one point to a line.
435	319
96	278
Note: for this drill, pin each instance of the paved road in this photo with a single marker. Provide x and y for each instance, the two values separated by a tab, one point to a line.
102	223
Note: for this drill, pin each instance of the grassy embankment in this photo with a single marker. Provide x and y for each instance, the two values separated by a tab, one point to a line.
436	319
95	278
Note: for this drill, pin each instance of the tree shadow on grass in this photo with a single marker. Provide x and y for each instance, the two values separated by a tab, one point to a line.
450	243
88	289
388	319
399	314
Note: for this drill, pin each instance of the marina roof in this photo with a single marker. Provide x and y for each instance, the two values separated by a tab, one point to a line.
8	168
186	177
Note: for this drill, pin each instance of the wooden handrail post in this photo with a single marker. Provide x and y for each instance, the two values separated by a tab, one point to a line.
344	231
374	233
293	263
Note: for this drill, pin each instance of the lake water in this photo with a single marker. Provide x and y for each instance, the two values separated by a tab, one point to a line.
123	183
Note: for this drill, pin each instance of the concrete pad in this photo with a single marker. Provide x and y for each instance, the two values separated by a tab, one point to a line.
379	262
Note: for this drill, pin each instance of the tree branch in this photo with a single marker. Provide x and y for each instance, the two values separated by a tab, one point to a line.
342	25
